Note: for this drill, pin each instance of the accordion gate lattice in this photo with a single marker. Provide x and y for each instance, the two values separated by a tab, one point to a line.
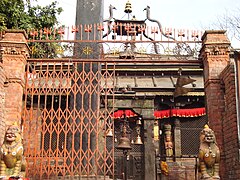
63	123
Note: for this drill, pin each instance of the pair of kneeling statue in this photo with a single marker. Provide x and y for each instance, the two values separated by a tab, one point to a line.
12	162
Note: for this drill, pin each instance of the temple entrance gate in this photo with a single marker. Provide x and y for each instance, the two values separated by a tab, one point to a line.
70	97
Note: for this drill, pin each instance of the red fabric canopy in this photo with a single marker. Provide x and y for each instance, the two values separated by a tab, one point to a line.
195	112
160	114
127	112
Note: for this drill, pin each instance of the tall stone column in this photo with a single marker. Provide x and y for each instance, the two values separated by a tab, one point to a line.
14	53
89	11
86	99
151	146
177	138
215	57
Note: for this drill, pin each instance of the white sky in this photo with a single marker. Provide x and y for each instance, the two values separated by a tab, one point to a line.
186	14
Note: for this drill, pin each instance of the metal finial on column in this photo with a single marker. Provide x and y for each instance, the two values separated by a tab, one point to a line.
128	7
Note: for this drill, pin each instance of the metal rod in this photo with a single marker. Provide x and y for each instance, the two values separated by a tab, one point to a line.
125	164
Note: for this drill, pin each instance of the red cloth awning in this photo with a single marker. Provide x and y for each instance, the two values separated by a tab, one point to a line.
128	113
194	112
160	114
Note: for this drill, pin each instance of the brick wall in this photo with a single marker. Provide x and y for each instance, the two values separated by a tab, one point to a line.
2	103
230	130
215	56
2	98
220	90
14	52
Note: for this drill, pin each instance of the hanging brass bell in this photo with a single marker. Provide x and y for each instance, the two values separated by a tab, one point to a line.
124	144
138	122
138	140
109	132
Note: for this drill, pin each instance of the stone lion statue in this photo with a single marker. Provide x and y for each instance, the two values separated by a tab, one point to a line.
11	154
209	154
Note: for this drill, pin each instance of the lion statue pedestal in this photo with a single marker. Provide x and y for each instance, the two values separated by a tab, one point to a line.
209	155
12	163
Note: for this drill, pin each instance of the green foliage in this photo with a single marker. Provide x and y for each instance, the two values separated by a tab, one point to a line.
11	13
18	14
21	14
44	16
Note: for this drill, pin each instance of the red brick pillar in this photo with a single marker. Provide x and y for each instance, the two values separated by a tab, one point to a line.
237	64
215	56
2	101
14	52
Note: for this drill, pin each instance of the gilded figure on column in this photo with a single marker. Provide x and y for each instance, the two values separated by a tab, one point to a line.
168	140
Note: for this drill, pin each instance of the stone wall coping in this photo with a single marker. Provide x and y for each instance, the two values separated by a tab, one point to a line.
14	36
212	32
16	31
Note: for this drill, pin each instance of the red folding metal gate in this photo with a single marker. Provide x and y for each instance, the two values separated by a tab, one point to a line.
63	122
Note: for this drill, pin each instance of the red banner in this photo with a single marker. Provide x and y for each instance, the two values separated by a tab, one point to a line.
195	112
128	113
160	114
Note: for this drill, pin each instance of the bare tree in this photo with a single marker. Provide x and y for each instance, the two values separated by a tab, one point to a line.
229	21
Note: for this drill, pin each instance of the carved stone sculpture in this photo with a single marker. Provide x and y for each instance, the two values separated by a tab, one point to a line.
168	140
11	154
209	154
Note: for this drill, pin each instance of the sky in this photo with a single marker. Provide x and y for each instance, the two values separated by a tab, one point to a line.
185	14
